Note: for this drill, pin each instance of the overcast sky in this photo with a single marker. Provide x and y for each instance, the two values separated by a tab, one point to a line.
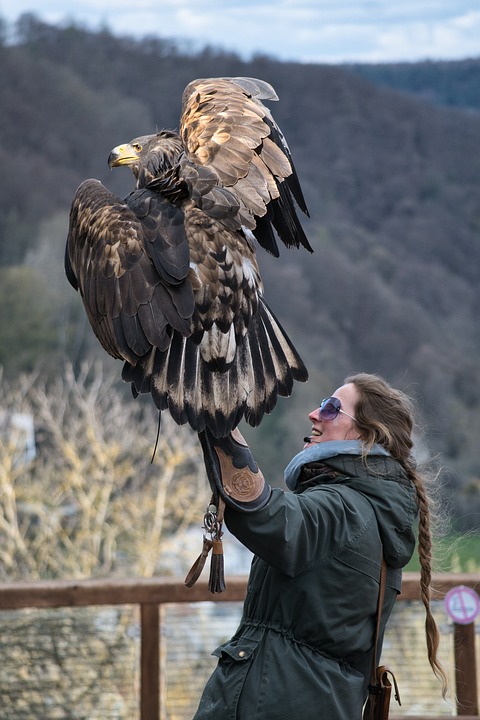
330	31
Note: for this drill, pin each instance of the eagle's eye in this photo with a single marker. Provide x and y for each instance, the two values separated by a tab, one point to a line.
137	147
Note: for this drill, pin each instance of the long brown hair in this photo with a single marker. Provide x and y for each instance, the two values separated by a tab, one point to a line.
385	415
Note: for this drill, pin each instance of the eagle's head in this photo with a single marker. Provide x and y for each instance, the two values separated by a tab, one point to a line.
149	156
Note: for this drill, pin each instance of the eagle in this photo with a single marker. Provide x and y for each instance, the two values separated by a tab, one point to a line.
169	276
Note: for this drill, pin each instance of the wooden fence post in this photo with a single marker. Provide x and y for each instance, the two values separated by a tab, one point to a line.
149	662
465	669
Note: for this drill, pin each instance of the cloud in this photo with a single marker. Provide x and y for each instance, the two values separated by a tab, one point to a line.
455	38
302	30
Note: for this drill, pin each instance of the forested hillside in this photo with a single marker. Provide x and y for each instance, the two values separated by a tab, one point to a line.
392	181
454	83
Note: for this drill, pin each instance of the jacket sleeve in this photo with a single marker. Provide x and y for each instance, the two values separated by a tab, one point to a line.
293	532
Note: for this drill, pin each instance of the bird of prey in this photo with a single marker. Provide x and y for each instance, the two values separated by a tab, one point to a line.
169	275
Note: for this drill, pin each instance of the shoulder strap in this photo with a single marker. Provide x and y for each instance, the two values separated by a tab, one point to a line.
381	596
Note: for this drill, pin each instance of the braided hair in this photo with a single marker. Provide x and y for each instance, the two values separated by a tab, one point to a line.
385	416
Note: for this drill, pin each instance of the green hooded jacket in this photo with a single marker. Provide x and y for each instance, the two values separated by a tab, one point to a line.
304	644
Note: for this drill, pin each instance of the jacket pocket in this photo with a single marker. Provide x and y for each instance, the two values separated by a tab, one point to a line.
239	650
222	692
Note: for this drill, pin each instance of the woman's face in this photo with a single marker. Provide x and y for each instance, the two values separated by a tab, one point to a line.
342	427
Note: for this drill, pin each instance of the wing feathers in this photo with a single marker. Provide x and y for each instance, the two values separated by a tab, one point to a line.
226	128
131	261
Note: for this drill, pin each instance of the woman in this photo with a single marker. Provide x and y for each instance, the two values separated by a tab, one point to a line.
305	640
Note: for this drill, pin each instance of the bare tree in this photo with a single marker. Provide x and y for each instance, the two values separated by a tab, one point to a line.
91	501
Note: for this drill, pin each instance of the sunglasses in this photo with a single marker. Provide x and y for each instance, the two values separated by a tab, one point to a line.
330	407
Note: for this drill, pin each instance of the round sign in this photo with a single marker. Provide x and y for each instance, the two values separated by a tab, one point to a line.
462	604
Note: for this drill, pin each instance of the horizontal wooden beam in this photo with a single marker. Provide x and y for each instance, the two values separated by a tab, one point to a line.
113	591
159	590
441	584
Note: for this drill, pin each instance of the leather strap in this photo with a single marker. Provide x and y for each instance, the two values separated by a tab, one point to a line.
381	597
197	567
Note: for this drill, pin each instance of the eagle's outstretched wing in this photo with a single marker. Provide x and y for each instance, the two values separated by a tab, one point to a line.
169	276
129	260
226	128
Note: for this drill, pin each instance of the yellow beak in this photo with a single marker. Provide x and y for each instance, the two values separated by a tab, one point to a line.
122	155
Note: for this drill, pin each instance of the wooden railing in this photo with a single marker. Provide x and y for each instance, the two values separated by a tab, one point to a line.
150	593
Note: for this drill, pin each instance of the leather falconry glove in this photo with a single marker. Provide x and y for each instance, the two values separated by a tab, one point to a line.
233	473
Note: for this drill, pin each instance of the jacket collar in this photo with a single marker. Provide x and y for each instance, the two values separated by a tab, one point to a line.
323	451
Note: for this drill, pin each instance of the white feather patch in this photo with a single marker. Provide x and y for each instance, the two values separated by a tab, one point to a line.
216	344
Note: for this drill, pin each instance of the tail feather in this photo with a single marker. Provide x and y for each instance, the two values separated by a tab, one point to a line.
270	371
290	365
265	366
255	382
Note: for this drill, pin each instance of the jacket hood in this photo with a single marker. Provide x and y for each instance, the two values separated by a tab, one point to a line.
380	479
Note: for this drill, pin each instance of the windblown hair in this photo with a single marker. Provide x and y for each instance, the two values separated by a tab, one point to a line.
385	416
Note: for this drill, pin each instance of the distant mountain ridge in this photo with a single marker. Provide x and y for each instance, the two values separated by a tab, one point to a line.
455	83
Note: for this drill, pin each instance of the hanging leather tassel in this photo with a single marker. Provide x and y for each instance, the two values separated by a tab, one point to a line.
216	583
197	567
212	523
